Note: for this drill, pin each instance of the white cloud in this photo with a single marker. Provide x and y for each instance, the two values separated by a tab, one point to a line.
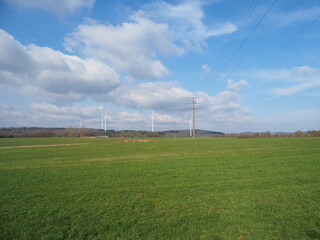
225	109
299	15
287	82
4	106
164	96
131	47
223	112
50	115
130	118
303	70
140	121
52	76
170	102
135	47
236	86
58	7
293	89
40	71
300	79
9	116
235	119
291	121
186	20
73	111
206	68
63	116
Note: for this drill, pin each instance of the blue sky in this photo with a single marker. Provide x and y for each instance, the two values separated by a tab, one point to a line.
253	65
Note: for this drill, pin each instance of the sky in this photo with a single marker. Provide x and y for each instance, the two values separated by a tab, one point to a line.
252	65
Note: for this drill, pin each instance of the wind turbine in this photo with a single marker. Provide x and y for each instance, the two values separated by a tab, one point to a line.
102	120
152	120
80	123
105	120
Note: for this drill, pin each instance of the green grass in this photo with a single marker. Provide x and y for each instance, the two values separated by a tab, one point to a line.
266	188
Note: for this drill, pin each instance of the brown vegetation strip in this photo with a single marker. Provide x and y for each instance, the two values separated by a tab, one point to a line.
49	145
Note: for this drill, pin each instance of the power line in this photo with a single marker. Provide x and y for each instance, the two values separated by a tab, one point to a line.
246	39
304	28
279	36
272	42
288	42
267	30
244	20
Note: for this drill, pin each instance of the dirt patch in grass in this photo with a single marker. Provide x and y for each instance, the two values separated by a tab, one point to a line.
49	145
133	140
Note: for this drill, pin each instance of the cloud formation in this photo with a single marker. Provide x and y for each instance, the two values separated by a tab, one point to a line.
206	68
60	8
135	47
289	121
225	109
164	96
168	100
297	80
50	115
131	47
44	71
300	15
44	74
186	19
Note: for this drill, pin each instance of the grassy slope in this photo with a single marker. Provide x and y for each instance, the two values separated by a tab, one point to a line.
183	189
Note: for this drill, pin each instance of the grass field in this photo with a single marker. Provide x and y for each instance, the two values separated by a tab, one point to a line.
265	188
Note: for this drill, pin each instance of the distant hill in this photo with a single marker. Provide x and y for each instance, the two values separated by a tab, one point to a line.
199	133
60	132
76	132
31	132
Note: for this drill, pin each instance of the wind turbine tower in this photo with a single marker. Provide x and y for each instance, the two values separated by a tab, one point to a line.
105	120
102	121
152	120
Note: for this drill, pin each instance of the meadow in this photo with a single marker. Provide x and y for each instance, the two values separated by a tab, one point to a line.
261	188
